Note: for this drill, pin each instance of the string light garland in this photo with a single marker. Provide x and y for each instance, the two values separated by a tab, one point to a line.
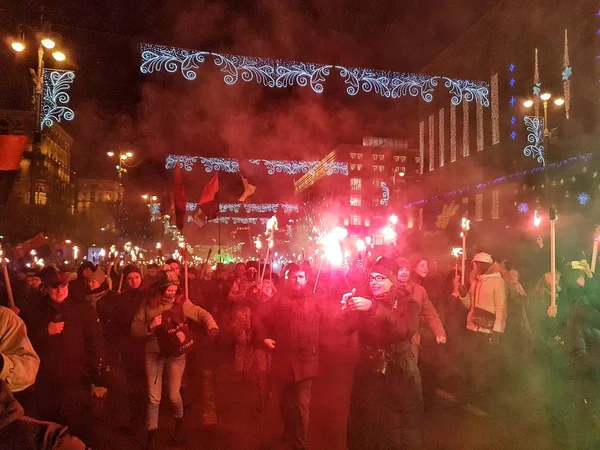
513	107
421	147
537	85
281	74
496	109
479	125
441	136
431	142
465	129
535	149
452	133
516	175
55	97
232	165
566	76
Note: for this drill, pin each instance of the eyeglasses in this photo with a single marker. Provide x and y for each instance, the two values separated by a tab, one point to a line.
378	279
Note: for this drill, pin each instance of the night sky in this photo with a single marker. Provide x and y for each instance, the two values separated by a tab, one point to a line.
117	107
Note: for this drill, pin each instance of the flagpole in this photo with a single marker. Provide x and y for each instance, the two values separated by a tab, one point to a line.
185	270
219	228
11	300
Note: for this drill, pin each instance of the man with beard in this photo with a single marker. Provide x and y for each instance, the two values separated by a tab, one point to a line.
288	325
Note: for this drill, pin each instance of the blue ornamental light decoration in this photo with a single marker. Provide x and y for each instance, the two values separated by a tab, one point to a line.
583	198
281	74
535	149
55	97
523	207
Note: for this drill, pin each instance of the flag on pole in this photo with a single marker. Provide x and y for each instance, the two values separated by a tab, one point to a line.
208	205
179	197
248	180
11	151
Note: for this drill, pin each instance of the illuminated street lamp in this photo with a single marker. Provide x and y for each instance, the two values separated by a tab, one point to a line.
46	41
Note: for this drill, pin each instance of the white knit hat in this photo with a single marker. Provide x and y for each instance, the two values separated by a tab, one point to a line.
483	257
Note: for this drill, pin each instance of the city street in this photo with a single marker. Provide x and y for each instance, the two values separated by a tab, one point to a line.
449	424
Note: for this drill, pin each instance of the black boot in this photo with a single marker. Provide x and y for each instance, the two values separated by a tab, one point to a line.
178	436
151	443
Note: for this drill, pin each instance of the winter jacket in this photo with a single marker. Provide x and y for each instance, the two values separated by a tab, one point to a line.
24	433
428	312
145	315
293	321
76	352
19	362
582	337
487	292
383	326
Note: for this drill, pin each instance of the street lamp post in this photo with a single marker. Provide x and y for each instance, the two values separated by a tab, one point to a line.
552	214
46	42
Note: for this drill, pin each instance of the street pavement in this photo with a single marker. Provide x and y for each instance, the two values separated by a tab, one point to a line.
518	423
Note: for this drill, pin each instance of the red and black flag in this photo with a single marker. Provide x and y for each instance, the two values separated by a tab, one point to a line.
208	205
11	151
179	197
249	180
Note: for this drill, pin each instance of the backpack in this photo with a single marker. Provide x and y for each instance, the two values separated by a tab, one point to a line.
173	335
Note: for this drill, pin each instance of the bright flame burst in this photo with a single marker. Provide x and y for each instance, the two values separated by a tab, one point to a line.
332	248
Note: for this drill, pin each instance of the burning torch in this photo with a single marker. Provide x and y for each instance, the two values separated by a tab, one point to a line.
465	226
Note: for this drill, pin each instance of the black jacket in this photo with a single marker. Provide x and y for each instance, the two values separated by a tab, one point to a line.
293	321
76	352
24	433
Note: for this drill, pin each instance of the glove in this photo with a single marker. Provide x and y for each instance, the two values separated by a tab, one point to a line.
99	391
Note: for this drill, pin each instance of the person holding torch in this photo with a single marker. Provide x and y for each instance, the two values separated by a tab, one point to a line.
386	407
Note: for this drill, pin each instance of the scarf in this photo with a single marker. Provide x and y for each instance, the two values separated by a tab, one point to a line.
96	295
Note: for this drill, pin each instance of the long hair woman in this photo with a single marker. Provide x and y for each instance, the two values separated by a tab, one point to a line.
159	319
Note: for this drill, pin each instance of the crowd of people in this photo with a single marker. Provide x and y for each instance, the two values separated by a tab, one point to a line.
107	340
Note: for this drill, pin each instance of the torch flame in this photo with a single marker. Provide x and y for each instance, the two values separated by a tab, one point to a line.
456	251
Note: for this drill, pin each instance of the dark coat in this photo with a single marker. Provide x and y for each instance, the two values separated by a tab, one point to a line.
386	410
73	354
24	433
293	321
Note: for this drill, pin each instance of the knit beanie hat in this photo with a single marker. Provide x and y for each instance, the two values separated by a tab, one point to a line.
168	278
98	276
130	269
404	262
386	266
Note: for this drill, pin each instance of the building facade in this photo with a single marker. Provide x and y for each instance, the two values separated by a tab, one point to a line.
487	160
55	184
379	174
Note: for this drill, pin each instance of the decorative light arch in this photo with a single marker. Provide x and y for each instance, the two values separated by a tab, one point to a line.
281	74
232	165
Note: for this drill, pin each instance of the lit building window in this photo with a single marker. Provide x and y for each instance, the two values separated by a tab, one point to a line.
352	155
355	184
377	239
381	168
478	207
417	159
359	156
374	157
359	167
396	158
377	183
355	220
381	157
355	200
375	168
352	166
403	159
